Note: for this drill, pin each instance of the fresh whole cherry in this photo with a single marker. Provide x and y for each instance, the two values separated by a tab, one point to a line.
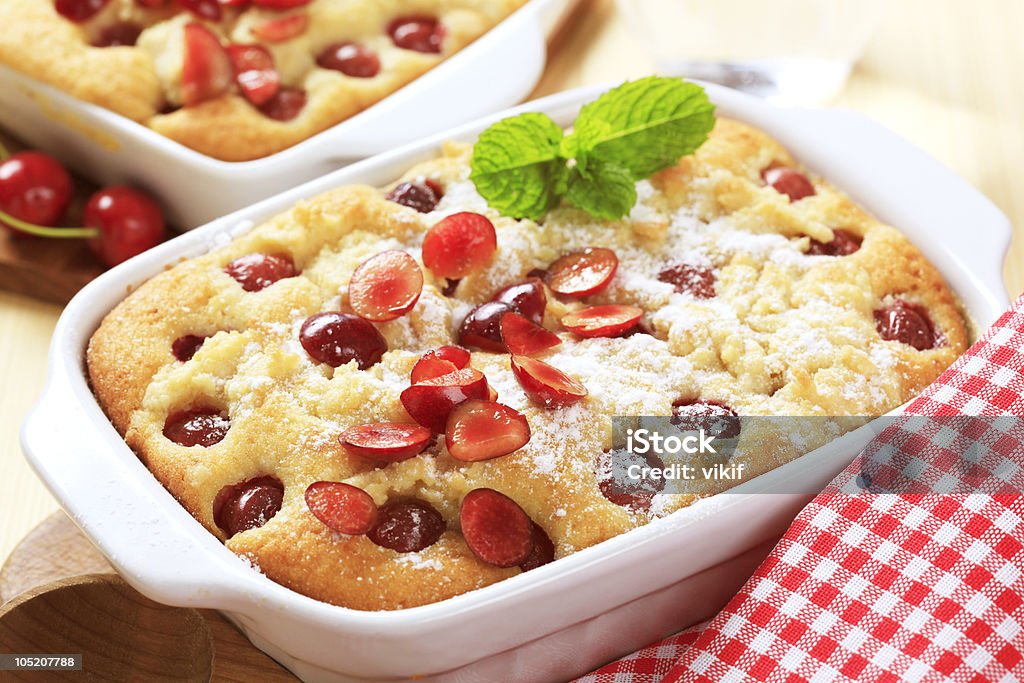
35	188
128	222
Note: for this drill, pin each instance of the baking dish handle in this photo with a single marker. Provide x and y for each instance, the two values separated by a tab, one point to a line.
512	55
154	544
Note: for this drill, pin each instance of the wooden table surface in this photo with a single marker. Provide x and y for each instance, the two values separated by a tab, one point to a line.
947	74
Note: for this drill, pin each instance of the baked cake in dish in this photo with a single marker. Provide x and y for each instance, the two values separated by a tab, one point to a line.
238	79
332	393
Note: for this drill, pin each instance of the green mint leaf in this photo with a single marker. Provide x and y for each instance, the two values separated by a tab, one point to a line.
603	189
644	125
517	166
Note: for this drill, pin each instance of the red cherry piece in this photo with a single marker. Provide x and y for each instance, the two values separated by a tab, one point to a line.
788	181
185	347
422	196
543	550
280	29
583	272
422	34
843	243
609	320
197	427
687	278
386	286
35	188
482	327
280	4
495	528
204	9
254	72
906	323
430	402
482	430
129	223
439	362
618	487
387	441
206	72
546	384
715	418
117	35
459	244
247	505
407	526
339	338
285	105
526	298
525	338
342	507
430	368
351	59
156	4
256	272
79	10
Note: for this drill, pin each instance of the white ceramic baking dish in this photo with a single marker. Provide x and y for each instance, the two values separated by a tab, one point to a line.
561	619
497	71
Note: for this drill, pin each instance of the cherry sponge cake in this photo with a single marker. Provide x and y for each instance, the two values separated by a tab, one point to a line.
241	79
387	397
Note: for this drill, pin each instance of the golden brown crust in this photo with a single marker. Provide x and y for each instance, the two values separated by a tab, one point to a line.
787	334
142	81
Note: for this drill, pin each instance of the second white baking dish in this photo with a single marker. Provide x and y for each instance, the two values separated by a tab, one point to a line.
496	71
562	619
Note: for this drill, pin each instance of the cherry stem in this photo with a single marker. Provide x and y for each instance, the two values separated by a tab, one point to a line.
40	231
4	152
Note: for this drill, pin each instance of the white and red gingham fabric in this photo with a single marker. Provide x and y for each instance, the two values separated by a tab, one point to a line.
907	587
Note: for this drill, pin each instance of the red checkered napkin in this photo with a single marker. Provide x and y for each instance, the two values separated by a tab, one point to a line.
916	586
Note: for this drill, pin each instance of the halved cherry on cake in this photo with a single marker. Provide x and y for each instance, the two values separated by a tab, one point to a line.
247	505
906	323
496	529
689	278
419	33
255	74
204	427
609	320
79	11
717	419
582	273
423	196
285	105
459	244
119	34
482	327
279	4
186	346
439	362
407	526
204	9
523	337
843	243
339	338
526	298
352	59
256	272
386	286
788	181
430	402
546	384
616	484
206	71
280	29
342	507
387	441
543	550
482	430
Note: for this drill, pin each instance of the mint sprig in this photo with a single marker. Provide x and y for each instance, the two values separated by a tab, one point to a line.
525	165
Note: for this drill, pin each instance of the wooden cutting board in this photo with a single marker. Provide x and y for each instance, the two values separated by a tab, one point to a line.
55	558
